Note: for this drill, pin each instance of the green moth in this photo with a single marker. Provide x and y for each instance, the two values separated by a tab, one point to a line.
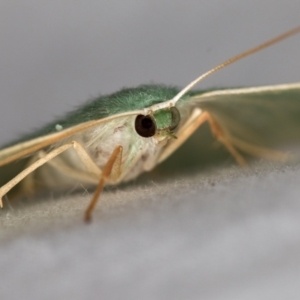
117	137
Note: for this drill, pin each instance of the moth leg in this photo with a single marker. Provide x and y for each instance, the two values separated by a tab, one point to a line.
260	151
197	118
90	177
222	137
233	143
27	185
84	156
111	169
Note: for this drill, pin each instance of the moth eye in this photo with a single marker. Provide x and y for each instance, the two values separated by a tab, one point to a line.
175	117
145	126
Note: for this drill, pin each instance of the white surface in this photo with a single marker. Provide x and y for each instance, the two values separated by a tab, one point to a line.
180	239
183	239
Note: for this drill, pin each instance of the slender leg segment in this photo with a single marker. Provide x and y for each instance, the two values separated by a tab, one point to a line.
232	144
84	156
221	136
198	117
112	166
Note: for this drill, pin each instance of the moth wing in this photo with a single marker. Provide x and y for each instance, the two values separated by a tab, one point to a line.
26	148
266	116
15	158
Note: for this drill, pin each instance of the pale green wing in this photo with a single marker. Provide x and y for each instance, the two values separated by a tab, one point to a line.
25	148
262	116
14	159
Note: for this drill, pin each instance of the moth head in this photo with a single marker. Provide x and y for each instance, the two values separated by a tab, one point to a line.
162	123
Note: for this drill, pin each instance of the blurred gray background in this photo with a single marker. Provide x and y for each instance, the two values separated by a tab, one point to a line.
220	234
56	55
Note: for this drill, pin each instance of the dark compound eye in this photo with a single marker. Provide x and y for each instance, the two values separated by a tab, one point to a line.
145	126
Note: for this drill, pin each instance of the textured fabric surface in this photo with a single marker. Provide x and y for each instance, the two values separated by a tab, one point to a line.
229	233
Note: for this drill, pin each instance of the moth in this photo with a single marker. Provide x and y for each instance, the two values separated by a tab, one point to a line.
117	137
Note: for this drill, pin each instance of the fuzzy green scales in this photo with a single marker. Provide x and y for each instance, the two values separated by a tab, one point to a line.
125	100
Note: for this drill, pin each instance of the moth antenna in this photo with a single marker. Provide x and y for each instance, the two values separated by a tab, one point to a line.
234	59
